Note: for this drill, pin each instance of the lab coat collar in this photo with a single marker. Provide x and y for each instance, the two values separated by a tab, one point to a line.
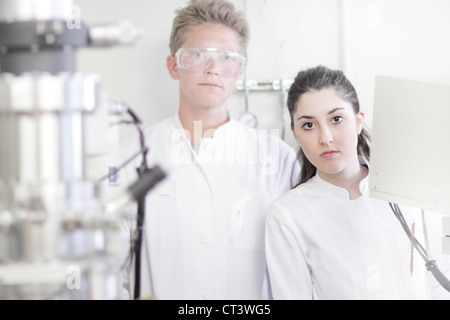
226	126
339	192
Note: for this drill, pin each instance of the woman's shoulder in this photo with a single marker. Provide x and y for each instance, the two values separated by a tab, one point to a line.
304	189
294	208
294	198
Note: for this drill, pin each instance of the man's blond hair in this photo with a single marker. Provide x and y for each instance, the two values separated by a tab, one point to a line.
208	11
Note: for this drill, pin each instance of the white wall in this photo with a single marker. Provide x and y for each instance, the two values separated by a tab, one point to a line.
362	37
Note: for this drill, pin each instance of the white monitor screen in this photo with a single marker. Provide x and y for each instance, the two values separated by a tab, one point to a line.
410	153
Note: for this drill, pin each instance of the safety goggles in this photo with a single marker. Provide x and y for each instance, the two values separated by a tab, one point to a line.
198	59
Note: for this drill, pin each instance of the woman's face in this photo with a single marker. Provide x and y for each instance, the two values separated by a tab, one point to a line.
327	129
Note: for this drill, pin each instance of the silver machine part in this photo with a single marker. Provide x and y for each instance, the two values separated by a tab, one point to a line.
57	240
122	32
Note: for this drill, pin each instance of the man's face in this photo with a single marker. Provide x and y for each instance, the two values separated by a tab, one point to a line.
209	88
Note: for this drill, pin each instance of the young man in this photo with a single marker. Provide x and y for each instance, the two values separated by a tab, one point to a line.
204	224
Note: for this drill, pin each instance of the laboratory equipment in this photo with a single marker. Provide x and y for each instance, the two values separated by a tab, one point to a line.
410	149
59	239
248	86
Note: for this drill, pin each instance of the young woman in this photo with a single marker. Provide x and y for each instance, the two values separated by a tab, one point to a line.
326	238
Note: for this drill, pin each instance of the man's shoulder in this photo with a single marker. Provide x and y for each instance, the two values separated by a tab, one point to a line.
155	130
166	123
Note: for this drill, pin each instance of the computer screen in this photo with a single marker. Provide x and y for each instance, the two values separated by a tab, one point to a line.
410	152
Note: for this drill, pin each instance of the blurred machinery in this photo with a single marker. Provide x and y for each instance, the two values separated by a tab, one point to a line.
58	237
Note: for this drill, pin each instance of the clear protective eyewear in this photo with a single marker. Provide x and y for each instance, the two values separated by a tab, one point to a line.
198	59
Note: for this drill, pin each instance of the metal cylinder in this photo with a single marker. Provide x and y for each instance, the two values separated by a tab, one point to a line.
56	241
41	127
49	212
42	163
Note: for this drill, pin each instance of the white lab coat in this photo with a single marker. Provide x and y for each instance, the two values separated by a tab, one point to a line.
204	224
321	245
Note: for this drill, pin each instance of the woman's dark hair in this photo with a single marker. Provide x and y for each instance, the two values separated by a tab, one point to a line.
319	78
